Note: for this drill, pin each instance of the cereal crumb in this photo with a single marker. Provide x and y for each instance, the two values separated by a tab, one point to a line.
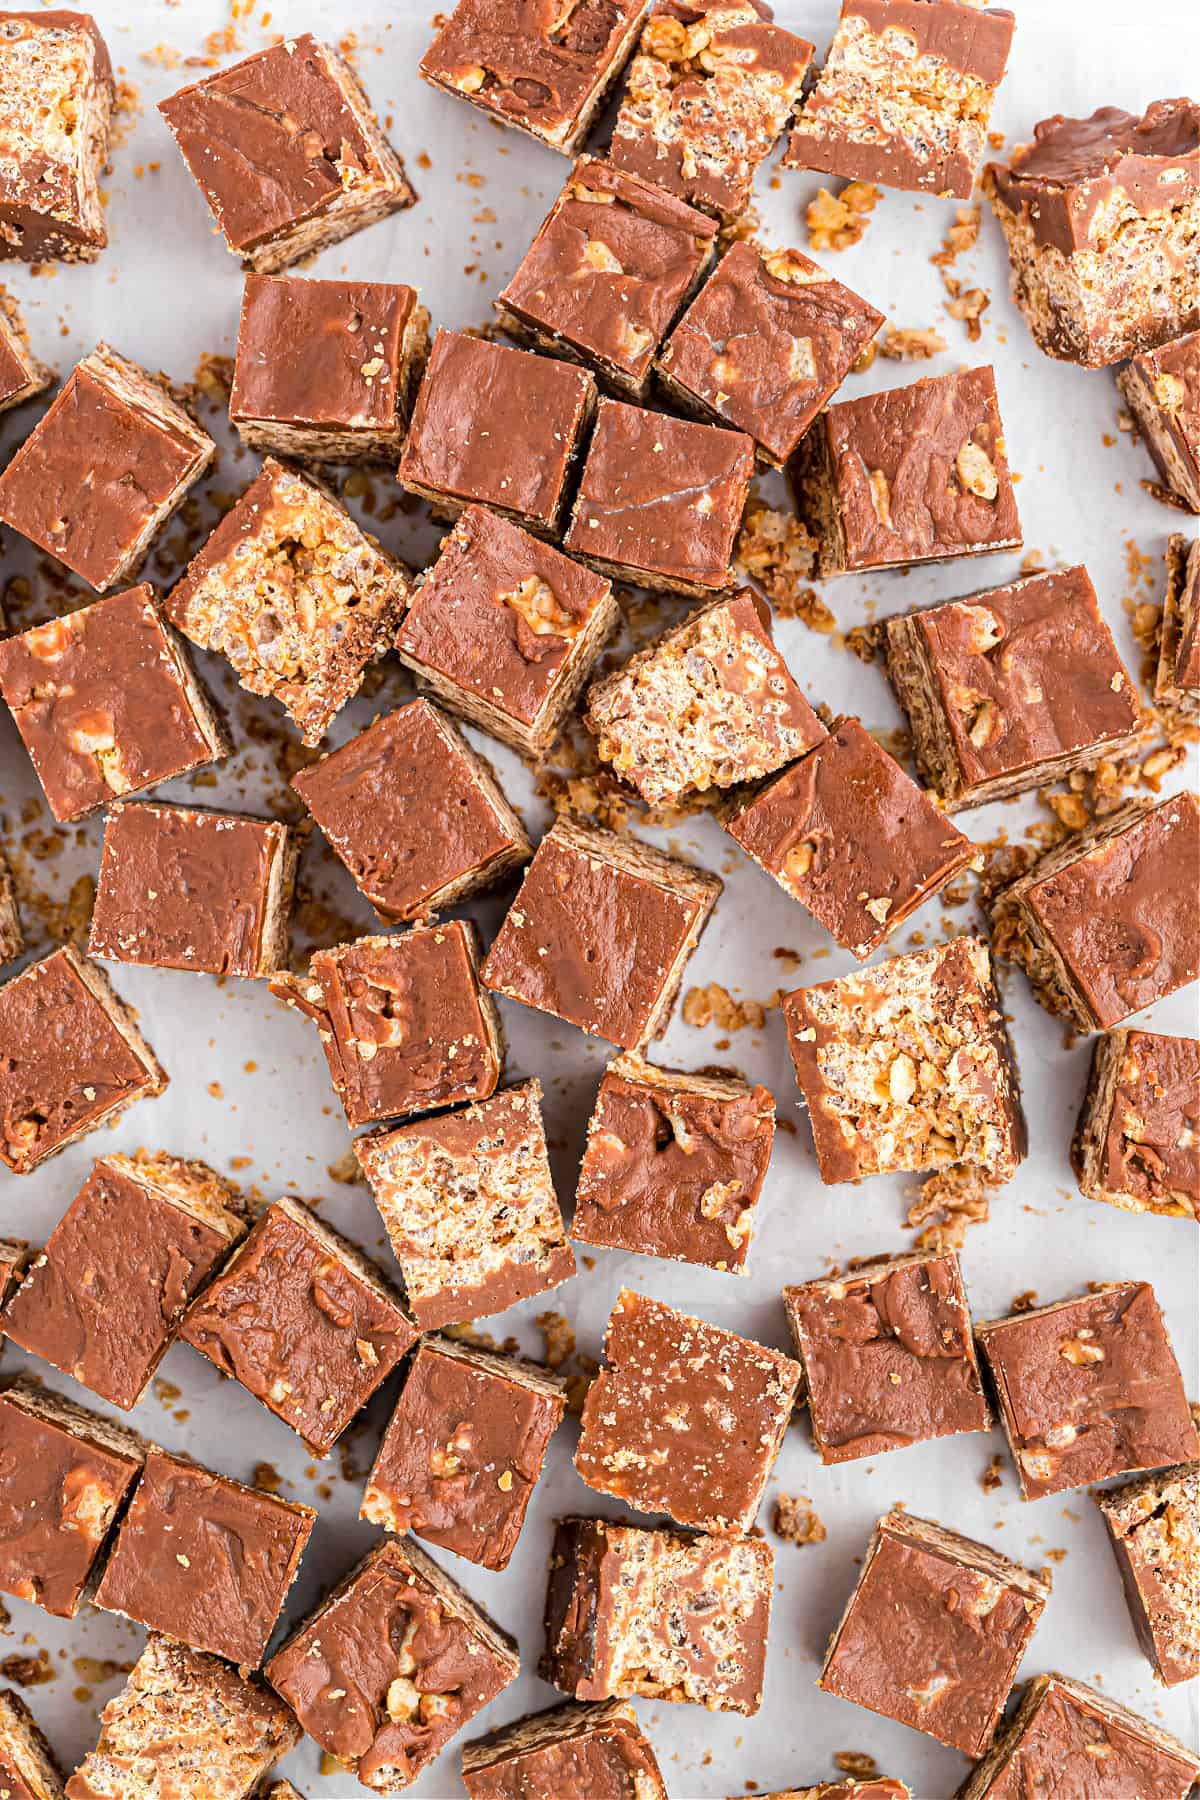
796	1521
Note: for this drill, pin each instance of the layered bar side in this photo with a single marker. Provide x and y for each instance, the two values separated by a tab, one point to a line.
1177	671
1154	1528
1161	387
58	95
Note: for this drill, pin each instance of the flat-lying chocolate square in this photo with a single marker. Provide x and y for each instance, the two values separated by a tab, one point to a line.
56	101
1154	1528
1162	389
1137	1138
549	1752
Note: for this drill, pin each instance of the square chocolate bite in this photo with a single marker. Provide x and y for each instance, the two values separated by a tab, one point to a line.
846	833
393	1665
671	1615
469	1205
504	629
184	888
28	1770
12	938
1137	1138
461	446
287	152
674	1164
296	595
909	475
22	374
464	1450
414	813
907	1066
104	468
306	1322
660	500
73	1058
1177	672
607	273
764	345
684	1418
934	1631
326	371
1162	390
64	1476
107	703
549	1752
104	1298
1088	1388
1154	1528
600	932
56	103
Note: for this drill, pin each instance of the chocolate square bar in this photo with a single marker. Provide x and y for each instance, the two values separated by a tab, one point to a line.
295	594
12	939
1137	1139
1100	924
684	1418
667	1614
107	703
326	371
710	703
846	833
674	1164
766	342
1154	1527
22	375
104	468
404	1024
56	103
909	475
1012	688
1177	673
414	812
908	1066
28	1770
600	932
504	629
1088	1388
304	1321
905	95
706	98
287	152
1162	390
660	500
881	1788
103	1300
205	1559
64	1476
469	1205
1098	215
888	1356
607	273
553	1752
934	1631
15	1255
464	1449
393	1664
73	1058
184	888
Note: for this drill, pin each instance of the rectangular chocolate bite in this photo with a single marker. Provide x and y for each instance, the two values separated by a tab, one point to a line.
1098	215
846	833
304	1320
684	1418
1177	672
600	932
764	345
909	475
74	1058
326	371
288	553
504	629
12	938
1154	1528
674	1164
666	1614
1137	1138
1012	688
15	1255
1088	1388
65	1474
907	1066
104	1298
107	703
187	1725
56	103
28	1769
414	813
1161	387
551	1752
464	1450
934	1631
660	500
906	95
104	468
392	1666
184	888
1100	924
287	152
469	1205
22	374
205	1559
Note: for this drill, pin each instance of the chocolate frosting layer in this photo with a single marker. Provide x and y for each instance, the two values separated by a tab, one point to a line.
325	353
1076	1742
600	1759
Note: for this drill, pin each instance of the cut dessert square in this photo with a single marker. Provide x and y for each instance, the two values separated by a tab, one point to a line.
1137	1138
56	102
1154	1527
1162	390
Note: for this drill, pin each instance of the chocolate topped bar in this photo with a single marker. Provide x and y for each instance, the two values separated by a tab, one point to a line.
871	1789
22	374
1137	1138
1162	389
573	1752
56	101
1154	1528
1177	675
28	1770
